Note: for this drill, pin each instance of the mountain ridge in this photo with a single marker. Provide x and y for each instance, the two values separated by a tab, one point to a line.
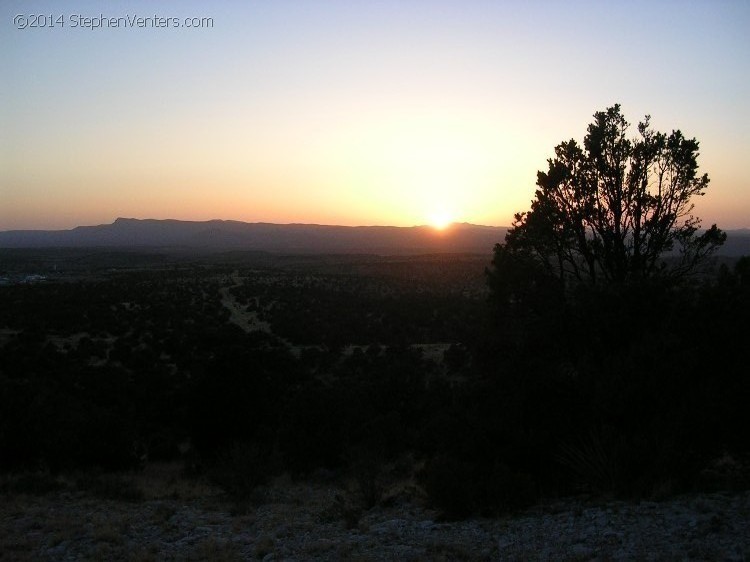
220	235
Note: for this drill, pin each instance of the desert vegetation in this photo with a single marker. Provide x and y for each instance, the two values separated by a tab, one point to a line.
599	351
623	393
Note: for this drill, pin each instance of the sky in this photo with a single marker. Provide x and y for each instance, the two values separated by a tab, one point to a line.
399	112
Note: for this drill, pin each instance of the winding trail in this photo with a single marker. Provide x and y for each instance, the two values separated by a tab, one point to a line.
239	315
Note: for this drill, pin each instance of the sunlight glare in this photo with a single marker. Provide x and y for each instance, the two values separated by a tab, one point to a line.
440	219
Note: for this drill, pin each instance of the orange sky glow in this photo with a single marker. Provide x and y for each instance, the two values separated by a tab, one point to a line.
393	113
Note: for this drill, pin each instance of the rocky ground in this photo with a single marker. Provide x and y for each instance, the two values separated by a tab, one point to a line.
163	517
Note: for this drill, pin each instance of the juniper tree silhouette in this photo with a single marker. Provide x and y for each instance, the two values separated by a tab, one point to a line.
607	212
590	294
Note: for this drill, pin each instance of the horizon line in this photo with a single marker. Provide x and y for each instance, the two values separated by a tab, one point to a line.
260	222
313	224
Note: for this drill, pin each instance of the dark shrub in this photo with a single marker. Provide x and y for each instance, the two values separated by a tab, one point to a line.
241	468
462	488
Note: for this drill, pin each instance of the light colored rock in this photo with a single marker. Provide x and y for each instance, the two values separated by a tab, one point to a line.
302	523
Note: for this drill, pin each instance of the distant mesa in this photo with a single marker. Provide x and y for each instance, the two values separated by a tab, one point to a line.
222	235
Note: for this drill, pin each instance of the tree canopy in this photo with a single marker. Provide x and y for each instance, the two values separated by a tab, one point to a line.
610	211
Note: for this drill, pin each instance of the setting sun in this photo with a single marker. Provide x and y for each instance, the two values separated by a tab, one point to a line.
440	219
330	113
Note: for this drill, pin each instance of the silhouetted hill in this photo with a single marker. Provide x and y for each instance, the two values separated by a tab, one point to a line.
293	238
218	235
737	244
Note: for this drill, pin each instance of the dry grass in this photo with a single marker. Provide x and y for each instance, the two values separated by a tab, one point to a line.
325	519
444	552
161	515
166	480
263	546
108	532
215	550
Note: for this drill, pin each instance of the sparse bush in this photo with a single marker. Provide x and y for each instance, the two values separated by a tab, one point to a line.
263	547
462	488
215	550
37	483
160	365
242	468
112	486
366	465
455	357
344	508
